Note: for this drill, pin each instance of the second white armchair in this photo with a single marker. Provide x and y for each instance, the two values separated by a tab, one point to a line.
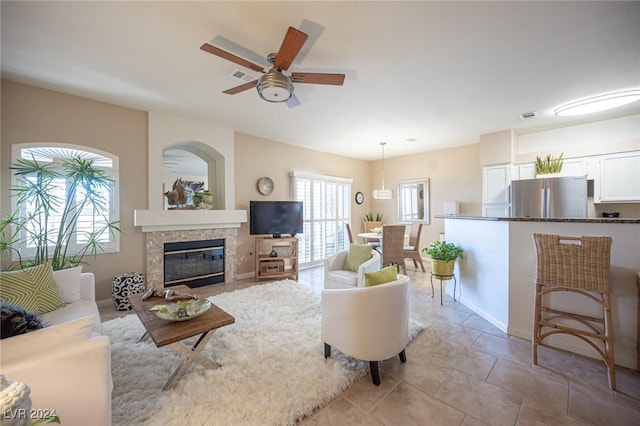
335	276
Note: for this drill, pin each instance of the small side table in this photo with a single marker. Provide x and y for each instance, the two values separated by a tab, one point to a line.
445	278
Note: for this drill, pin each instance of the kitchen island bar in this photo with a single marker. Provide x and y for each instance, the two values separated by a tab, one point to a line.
496	275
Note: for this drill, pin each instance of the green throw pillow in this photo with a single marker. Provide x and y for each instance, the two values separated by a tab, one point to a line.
33	289
384	275
358	254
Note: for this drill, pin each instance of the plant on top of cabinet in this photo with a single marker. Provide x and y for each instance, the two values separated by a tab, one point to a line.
549	164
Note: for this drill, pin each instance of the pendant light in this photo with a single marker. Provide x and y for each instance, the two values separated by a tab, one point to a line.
383	194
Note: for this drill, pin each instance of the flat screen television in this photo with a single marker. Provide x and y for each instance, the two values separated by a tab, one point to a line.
275	218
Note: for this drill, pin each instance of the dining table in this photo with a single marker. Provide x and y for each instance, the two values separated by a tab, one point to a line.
370	236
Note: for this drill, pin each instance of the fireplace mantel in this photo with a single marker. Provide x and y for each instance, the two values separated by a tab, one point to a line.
178	220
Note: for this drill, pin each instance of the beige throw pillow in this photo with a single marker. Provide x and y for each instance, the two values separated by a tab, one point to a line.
68	283
33	289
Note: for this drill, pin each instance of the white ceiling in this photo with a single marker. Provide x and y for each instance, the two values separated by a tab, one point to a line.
442	73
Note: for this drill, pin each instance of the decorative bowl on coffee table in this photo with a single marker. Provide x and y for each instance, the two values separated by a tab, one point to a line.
184	310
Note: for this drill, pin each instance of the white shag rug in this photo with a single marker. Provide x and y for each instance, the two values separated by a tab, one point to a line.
272	366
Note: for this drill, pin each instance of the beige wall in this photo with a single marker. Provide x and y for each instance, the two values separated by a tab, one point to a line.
256	157
30	114
454	174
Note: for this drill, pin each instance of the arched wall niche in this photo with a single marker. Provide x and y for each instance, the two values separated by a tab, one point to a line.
207	141
215	167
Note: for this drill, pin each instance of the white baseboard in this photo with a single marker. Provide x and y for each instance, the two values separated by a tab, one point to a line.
500	325
246	275
102	303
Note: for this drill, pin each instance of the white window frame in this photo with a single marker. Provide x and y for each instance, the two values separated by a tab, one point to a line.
111	246
312	248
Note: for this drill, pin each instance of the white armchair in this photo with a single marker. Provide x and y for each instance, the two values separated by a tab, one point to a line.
337	277
369	323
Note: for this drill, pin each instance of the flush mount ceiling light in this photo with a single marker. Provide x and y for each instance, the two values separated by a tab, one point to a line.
598	103
383	194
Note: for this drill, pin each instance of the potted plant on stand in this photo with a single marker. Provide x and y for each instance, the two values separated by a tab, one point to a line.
443	257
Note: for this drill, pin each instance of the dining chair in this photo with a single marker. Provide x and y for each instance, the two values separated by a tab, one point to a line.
369	227
581	266
412	251
392	246
349	234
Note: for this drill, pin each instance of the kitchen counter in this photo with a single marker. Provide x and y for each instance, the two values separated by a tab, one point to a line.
495	276
541	219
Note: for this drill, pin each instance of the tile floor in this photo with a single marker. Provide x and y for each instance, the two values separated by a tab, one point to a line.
461	370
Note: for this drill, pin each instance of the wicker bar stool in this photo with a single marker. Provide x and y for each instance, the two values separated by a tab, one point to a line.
580	265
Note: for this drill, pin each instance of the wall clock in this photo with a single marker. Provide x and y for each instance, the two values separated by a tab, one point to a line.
265	185
359	197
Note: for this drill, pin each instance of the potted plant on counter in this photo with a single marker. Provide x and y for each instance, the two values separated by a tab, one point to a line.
443	257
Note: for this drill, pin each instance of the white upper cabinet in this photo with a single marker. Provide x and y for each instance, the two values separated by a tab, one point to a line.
619	178
526	171
495	184
574	167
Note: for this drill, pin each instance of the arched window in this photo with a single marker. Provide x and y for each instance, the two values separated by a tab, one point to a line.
89	223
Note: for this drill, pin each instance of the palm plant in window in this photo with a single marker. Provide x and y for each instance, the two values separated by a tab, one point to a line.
61	212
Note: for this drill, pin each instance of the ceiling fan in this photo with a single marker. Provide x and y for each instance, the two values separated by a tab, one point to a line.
274	85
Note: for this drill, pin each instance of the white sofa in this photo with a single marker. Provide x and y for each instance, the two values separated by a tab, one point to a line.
67	364
369	323
337	277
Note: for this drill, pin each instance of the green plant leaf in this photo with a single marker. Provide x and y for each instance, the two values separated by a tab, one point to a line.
441	250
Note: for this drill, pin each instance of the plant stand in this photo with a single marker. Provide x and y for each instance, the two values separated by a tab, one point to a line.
444	278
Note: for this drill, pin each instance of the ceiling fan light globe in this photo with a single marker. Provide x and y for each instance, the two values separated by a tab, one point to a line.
275	94
275	86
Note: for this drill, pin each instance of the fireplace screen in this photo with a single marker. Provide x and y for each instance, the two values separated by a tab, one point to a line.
194	263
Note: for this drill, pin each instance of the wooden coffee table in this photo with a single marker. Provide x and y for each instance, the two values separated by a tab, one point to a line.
171	333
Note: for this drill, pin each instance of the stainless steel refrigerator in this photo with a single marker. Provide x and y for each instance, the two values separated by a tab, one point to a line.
549	197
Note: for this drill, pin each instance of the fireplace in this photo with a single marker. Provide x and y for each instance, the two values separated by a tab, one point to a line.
162	227
194	263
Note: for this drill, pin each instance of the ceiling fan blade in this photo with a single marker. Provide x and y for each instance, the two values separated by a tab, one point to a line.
241	88
318	78
293	101
230	57
291	45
